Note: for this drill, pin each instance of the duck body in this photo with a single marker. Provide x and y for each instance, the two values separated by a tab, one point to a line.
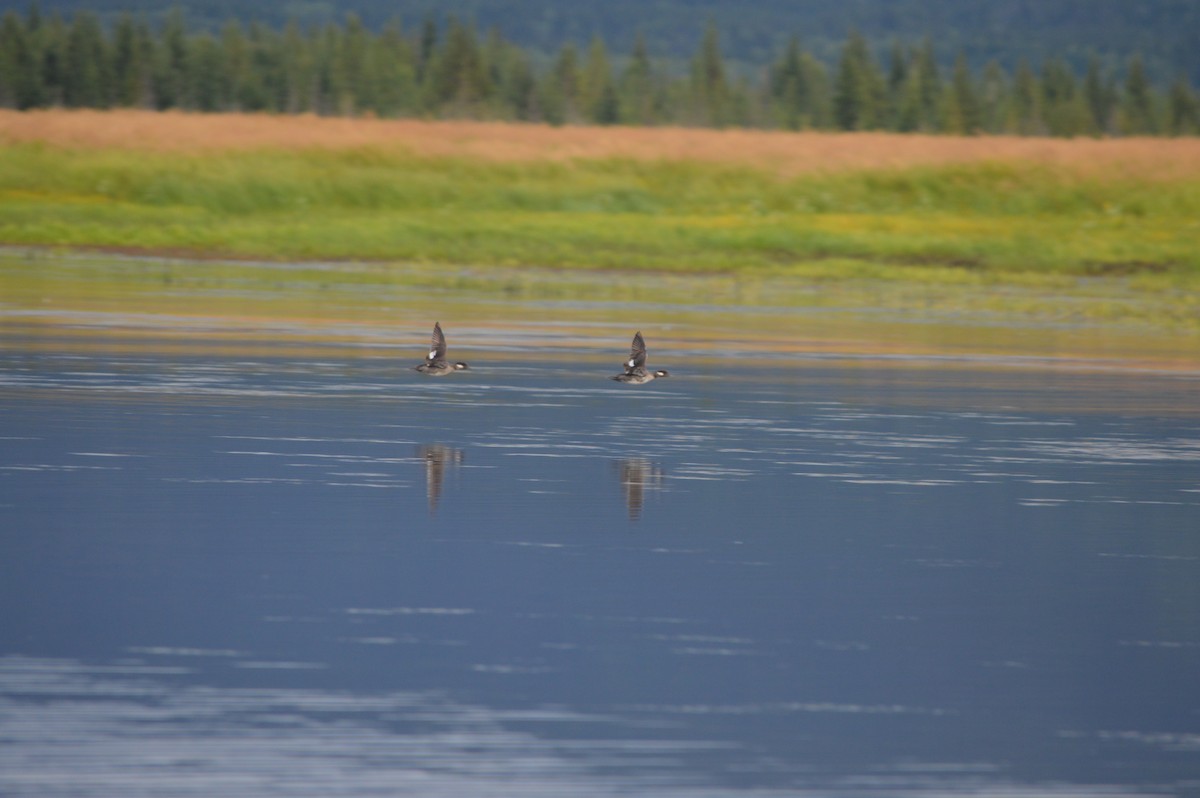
636	372
435	364
440	368
639	376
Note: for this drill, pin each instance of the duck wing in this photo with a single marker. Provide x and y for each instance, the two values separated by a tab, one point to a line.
437	347
637	354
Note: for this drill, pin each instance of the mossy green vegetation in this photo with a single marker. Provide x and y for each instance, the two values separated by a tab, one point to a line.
988	221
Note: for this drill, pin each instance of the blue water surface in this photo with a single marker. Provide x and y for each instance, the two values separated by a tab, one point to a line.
297	575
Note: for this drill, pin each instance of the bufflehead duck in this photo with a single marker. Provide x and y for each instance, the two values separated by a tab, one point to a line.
435	364
635	367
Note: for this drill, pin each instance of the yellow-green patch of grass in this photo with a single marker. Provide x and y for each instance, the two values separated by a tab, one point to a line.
610	213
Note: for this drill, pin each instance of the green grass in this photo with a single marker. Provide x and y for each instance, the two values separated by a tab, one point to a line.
985	219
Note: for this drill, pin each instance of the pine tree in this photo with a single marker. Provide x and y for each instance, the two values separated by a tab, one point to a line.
171	60
637	90
928	88
128	63
918	101
457	79
1026	103
298	71
87	77
20	79
51	50
993	98
819	101
1183	109
237	75
858	87
259	86
495	56
327	80
791	90
710	89
1100	96
1137	103
426	47
558	95
908	103
389	74
206	76
351	51
515	95
962	114
597	94
1063	106
894	90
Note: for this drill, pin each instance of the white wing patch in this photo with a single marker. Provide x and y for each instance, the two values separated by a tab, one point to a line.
433	354
630	363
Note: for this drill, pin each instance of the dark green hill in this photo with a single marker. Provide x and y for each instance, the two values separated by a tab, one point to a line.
1164	32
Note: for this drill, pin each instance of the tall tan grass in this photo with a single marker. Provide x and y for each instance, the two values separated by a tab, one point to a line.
783	153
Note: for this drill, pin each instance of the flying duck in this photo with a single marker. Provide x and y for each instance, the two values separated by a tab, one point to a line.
435	364
635	367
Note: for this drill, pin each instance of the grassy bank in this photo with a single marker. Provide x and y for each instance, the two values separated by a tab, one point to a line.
959	219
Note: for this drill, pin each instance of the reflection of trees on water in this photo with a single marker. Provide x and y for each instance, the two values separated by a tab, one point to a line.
438	459
638	477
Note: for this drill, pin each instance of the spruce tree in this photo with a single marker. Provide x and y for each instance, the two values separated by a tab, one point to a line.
515	95
818	100
858	87
51	55
389	74
637	92
559	96
128	63
897	79
20	79
1100	96
238	75
710	89
790	91
1026	103
259	87
993	97
928	88
963	114
1064	107
1183	109
87	76
457	79
207	79
1137	103
598	96
298	71
426	47
171	60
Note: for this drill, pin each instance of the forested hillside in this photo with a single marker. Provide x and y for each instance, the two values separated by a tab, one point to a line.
453	69
1163	32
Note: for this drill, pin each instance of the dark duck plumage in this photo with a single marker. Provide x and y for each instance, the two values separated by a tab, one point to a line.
636	372
435	364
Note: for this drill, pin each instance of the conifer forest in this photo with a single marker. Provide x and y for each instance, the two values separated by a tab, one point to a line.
450	69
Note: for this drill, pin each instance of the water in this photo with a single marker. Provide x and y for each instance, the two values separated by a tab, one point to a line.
282	570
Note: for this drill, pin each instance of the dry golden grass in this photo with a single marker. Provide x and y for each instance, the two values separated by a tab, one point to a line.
780	152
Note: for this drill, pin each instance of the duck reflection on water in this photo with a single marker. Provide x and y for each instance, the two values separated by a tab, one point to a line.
638	477
438	459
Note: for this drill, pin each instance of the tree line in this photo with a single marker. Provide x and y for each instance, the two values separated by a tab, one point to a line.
448	69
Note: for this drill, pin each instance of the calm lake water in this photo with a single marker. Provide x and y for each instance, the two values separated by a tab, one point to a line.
282	568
